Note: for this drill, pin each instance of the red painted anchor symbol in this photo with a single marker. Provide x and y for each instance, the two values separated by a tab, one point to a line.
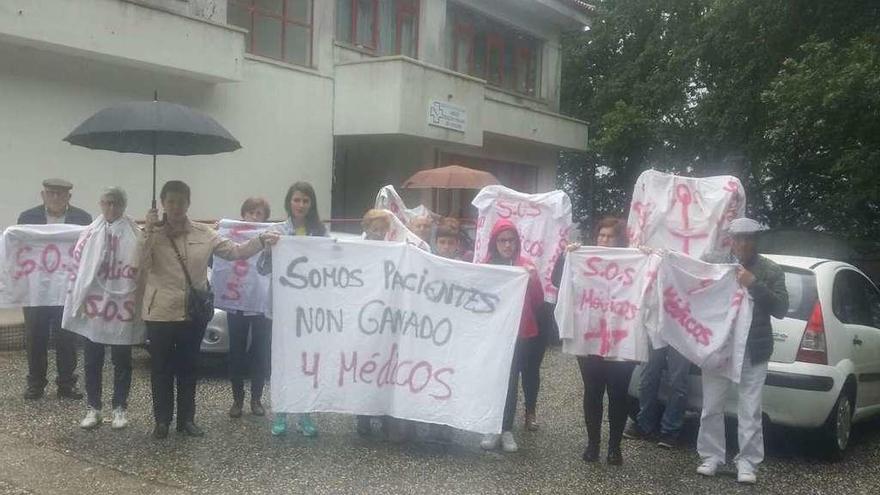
683	195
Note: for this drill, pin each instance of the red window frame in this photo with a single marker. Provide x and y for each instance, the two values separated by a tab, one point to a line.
523	61
254	11
406	9
463	31
355	5
495	41
500	40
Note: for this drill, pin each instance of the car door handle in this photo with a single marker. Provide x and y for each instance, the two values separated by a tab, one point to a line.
857	341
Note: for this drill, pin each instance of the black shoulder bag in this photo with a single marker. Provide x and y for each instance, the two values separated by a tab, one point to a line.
199	303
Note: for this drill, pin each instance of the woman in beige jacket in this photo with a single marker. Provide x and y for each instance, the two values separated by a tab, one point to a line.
175	339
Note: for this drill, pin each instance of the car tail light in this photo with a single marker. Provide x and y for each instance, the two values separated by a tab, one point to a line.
813	348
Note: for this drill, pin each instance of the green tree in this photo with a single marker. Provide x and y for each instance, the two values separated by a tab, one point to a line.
731	86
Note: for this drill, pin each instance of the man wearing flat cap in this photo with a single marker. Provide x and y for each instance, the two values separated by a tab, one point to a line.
765	282
41	321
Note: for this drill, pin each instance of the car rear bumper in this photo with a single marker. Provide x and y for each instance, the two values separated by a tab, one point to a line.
795	394
801	394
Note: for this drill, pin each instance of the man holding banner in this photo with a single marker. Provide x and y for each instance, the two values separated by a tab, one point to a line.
41	321
765	282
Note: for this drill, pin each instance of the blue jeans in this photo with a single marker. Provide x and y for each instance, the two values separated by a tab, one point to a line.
677	367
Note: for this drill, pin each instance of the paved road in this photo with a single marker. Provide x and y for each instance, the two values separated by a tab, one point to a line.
42	450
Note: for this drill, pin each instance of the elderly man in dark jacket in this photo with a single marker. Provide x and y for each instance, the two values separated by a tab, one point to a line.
41	321
765	282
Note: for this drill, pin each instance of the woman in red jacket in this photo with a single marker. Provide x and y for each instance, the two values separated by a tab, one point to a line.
504	249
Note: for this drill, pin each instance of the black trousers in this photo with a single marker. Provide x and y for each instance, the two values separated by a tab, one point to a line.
40	322
599	376
531	373
174	353
94	371
527	355
242	359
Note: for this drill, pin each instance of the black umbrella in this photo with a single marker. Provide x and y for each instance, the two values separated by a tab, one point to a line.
153	128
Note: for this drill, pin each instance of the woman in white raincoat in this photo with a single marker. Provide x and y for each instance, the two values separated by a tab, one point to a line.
101	304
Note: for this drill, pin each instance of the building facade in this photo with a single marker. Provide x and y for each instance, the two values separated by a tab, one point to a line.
349	95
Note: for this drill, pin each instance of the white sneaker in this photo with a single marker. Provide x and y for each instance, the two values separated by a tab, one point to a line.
707	468
746	477
119	419
92	419
508	444
490	441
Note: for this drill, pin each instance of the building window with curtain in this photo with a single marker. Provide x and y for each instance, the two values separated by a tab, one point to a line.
385	27
279	29
502	55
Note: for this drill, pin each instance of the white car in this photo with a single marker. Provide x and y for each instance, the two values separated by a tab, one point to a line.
825	369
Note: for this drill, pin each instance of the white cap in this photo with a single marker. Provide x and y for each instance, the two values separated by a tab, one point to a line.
744	226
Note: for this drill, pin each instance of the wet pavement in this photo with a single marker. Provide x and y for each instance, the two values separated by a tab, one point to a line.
42	450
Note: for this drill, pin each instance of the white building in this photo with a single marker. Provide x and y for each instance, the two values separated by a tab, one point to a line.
346	94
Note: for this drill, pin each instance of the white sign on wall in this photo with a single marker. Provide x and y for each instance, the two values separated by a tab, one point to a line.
447	115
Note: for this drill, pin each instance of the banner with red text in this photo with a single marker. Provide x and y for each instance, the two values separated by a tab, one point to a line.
102	303
684	214
704	313
377	328
615	303
543	221
38	264
599	310
237	285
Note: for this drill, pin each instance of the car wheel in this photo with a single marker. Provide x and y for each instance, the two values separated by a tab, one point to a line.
838	427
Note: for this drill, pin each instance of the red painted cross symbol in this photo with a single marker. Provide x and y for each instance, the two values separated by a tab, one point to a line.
608	337
686	239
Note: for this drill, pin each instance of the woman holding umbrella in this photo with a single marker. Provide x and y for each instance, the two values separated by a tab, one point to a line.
301	205
174	262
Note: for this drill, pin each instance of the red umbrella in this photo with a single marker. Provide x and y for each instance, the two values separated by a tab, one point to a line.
451	177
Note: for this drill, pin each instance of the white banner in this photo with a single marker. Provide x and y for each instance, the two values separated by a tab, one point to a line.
102	302
705	313
39	263
398	232
375	328
543	221
599	310
684	214
237	285
616	302
388	199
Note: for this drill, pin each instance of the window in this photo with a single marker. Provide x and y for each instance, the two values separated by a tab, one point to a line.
802	293
279	29
386	27
502	55
855	300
